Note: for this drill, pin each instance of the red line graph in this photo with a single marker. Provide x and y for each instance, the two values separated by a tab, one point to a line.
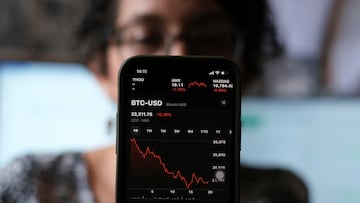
175	175
198	84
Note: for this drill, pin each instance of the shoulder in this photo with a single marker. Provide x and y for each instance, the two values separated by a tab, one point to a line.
33	177
272	185
35	165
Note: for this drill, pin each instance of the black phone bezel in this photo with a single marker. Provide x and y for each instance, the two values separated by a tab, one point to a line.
122	148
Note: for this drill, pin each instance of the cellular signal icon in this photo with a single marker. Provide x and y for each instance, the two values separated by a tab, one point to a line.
214	72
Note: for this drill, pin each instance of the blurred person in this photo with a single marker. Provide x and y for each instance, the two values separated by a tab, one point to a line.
113	31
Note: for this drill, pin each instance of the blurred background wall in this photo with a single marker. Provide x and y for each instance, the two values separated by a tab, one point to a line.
40	29
305	119
48	99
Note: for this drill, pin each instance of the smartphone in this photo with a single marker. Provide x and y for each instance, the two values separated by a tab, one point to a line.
178	137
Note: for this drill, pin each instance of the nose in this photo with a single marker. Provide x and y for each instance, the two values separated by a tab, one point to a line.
177	47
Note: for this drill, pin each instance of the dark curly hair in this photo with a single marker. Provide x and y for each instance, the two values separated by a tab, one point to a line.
251	17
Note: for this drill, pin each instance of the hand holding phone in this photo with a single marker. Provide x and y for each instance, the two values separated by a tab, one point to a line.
178	130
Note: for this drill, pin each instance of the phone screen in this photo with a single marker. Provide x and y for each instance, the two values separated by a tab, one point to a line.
178	130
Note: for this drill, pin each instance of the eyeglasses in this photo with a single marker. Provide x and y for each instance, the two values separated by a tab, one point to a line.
153	38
